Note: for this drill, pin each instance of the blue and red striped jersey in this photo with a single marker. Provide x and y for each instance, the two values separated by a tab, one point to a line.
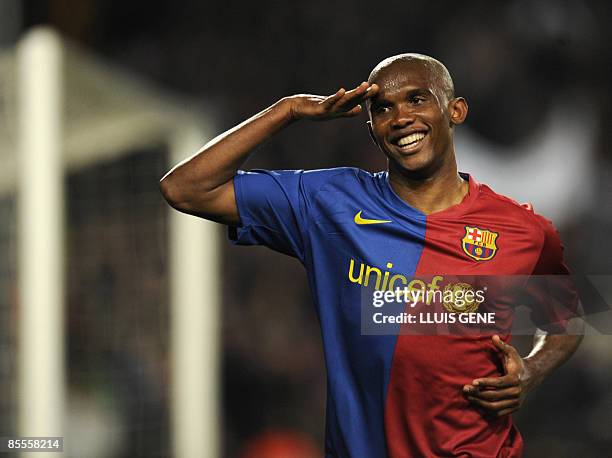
395	394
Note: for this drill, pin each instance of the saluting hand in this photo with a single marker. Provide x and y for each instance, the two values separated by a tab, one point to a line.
502	395
342	104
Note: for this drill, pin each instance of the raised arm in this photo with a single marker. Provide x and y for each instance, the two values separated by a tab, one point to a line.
202	185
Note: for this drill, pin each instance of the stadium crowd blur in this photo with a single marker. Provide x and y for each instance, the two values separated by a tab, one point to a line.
532	72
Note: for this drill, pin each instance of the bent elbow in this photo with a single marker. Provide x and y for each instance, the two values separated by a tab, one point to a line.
172	193
193	198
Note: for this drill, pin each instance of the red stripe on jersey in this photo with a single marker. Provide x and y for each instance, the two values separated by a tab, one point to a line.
426	413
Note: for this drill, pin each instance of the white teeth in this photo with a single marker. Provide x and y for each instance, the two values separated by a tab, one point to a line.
411	138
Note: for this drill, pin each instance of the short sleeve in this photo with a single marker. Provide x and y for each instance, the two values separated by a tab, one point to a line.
271	209
551	293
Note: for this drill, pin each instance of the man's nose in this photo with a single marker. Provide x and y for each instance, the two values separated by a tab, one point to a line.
403	117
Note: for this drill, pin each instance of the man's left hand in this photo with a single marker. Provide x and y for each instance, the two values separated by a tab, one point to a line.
502	395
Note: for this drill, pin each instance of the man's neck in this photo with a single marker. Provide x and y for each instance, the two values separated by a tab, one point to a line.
431	194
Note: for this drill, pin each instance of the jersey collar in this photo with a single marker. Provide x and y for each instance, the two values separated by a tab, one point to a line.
453	211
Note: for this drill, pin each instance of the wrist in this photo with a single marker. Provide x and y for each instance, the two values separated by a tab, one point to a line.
286	106
533	374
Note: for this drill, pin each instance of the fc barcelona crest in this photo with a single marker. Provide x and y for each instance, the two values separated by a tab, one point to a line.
479	244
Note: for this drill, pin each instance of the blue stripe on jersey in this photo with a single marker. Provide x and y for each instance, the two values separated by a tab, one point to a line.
311	215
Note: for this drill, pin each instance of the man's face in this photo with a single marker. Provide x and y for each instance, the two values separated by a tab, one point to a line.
411	119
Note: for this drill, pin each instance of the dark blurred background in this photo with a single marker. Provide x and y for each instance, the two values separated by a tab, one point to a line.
537	79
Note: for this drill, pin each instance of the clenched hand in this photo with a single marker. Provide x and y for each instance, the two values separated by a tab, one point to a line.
501	396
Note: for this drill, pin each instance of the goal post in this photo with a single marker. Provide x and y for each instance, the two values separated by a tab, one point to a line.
59	131
40	202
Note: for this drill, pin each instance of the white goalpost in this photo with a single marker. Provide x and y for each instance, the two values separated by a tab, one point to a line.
52	75
195	326
40	202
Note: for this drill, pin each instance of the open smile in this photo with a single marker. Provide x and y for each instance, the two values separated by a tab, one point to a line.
411	142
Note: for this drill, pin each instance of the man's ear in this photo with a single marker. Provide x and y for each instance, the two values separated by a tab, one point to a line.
457	110
369	123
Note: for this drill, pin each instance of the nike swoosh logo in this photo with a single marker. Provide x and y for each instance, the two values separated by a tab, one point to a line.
360	220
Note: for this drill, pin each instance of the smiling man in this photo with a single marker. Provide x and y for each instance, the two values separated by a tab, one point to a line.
393	394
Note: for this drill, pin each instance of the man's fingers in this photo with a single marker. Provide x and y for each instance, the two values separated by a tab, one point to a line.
501	413
495	406
358	90
347	103
503	346
354	96
352	112
371	91
343	96
497	382
335	97
499	395
492	395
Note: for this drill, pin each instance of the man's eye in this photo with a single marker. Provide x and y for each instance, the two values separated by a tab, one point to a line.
381	109
417	100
